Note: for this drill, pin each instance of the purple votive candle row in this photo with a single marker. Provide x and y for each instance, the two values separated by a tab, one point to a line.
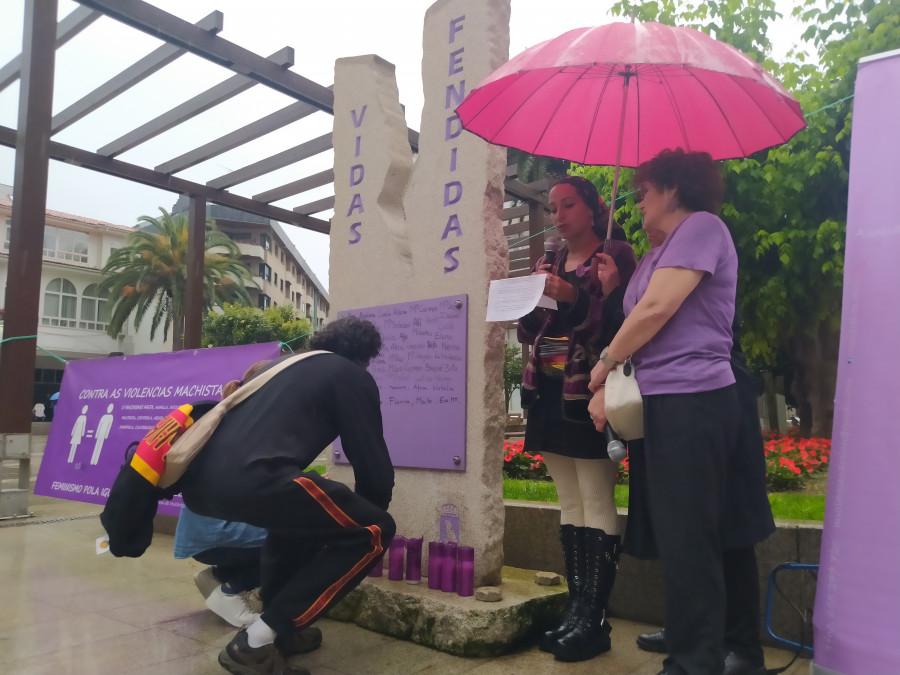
399	548
451	568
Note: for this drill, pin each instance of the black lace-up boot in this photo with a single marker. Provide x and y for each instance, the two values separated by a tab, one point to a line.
572	539
590	635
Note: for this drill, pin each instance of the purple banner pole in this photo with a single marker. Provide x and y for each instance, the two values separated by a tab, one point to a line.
857	610
107	404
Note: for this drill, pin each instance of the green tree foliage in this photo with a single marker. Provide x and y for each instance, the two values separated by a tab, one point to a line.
512	371
241	325
149	275
787	206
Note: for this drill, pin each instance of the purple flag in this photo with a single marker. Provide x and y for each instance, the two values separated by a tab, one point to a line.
857	620
107	404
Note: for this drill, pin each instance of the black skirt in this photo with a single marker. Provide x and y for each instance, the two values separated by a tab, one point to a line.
746	517
547	431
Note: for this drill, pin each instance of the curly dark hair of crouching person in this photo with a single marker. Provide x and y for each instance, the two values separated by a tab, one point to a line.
351	337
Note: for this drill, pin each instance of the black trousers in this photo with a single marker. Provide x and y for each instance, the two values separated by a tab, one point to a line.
237	567
322	539
688	438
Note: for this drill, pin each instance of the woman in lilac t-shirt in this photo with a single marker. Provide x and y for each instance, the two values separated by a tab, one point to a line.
680	304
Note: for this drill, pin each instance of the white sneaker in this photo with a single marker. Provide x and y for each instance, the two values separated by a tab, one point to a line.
206	581
233	608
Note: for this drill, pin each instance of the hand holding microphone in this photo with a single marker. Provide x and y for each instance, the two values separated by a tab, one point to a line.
554	286
551	250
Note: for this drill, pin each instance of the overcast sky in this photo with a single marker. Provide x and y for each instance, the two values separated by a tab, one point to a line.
319	32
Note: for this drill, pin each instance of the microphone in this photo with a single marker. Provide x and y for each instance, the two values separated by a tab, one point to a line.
551	250
615	448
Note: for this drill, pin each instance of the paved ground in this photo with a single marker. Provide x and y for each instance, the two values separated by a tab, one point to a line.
64	609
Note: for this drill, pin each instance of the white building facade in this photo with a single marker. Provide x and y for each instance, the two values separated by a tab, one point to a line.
73	318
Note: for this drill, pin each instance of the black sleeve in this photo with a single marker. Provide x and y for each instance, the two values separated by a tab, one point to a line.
579	309
362	437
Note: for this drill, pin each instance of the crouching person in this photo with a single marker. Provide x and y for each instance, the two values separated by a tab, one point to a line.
253	470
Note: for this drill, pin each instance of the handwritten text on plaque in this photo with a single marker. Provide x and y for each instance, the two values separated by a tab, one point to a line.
421	374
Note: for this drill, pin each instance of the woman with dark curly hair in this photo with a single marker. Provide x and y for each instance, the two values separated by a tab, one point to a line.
565	344
254	469
680	305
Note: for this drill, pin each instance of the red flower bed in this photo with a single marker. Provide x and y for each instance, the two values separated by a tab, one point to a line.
520	464
789	459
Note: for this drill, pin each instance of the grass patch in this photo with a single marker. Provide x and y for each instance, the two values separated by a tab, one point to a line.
545	491
785	505
797	506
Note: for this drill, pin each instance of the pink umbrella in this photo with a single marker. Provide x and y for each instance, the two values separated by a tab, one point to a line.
618	94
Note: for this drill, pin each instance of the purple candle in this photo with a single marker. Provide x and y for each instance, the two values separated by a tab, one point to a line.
466	571
414	560
378	568
436	553
395	558
448	569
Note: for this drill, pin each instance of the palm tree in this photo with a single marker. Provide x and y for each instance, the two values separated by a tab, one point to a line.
149	274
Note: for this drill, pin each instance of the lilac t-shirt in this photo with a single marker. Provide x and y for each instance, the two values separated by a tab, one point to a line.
691	352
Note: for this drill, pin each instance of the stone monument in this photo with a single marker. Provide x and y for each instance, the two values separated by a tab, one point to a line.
415	243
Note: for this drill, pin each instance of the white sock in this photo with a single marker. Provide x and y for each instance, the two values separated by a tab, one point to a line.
259	634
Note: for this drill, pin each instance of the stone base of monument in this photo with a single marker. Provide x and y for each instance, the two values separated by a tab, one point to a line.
453	624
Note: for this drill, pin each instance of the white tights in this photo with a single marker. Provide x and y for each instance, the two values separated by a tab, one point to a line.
586	490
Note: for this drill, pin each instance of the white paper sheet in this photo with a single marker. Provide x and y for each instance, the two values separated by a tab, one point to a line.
509	299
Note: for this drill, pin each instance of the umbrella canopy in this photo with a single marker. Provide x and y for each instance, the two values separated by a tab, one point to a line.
620	93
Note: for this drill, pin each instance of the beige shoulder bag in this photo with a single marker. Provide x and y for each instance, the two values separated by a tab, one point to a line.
192	441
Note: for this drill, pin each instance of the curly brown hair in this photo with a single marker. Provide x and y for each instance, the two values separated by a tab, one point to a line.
696	177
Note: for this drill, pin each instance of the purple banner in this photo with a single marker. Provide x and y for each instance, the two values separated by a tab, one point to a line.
421	374
107	404
857	620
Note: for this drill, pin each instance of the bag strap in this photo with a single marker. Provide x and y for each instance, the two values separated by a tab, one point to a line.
196	436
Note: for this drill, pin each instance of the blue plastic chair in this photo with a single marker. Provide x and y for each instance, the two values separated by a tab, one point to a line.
805	650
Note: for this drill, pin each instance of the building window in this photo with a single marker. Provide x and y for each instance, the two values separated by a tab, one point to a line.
47	376
276	277
281	285
65	244
282	256
263	301
94	309
8	233
308	311
265	242
60	301
239	237
265	272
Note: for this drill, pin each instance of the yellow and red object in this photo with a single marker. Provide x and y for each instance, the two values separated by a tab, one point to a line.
150	457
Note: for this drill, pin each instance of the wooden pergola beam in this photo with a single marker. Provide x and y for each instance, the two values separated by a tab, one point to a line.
238	137
135	73
66	29
276	161
165	26
139	174
191	108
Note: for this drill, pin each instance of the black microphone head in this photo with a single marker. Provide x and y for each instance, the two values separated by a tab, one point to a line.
551	249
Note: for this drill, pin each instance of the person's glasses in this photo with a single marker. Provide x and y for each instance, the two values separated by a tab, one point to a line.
640	193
